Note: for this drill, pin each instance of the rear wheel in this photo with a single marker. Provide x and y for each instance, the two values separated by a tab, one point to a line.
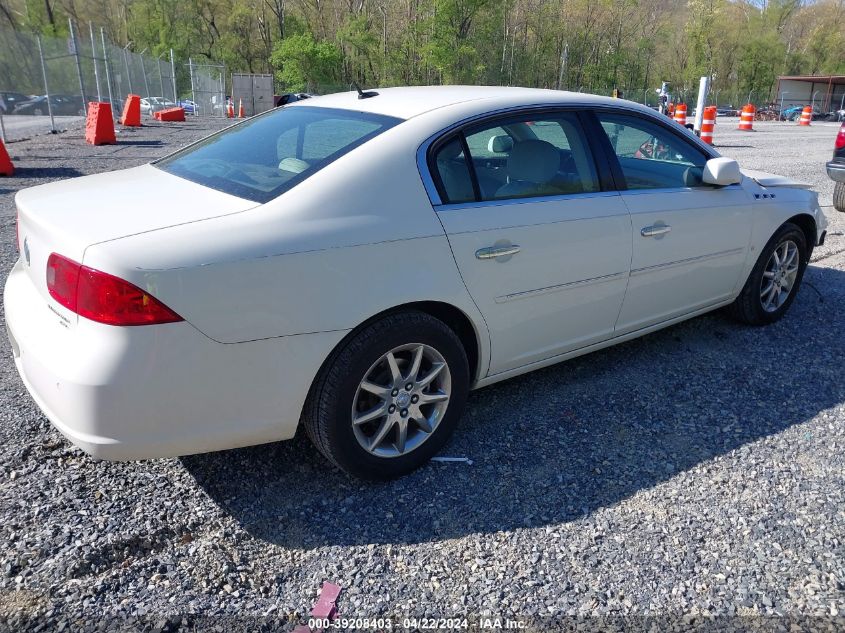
773	283
390	397
839	197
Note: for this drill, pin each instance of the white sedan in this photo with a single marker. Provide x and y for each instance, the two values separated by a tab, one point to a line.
359	262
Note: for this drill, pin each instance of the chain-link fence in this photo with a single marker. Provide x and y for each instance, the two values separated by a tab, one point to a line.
55	77
208	90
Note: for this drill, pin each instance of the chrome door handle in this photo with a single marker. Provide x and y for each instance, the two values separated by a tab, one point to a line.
654	231
492	252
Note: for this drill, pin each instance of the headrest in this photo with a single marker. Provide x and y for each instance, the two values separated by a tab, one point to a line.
500	144
293	165
533	161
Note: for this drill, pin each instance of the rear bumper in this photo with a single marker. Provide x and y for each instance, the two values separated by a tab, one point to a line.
836	171
157	391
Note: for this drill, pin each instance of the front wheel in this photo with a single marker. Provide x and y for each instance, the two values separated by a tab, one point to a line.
775	279
388	400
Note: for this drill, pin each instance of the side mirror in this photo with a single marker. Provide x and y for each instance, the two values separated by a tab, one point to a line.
721	172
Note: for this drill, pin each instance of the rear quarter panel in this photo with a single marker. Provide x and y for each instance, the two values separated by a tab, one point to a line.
357	238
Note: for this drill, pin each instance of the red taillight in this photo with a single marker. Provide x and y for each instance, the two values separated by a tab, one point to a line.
102	297
840	138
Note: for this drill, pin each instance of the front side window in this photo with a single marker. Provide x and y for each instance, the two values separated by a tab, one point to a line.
651	156
265	156
532	155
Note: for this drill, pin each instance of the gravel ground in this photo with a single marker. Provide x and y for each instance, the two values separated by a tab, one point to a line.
692	479
22	126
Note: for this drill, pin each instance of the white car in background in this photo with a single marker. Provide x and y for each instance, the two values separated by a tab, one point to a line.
359	262
154	104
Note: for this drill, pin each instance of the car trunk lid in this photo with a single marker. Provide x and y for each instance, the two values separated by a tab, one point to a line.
69	216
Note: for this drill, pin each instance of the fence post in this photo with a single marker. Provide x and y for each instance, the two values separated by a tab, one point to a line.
126	64
76	59
106	64
173	74
222	94
46	88
191	70
144	73
160	78
94	60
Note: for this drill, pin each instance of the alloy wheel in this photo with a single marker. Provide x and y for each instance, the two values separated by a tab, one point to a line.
779	275
401	400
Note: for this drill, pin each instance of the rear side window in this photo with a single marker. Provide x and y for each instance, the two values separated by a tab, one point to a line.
264	157
528	156
450	165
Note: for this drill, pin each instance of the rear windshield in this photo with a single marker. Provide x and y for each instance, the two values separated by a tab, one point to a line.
265	156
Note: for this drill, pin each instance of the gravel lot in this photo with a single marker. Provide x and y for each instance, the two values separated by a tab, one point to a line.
21	126
696	472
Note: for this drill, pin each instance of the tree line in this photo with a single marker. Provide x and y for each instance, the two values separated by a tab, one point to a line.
586	45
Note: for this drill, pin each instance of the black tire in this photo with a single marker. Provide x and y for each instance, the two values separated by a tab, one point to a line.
839	197
327	415
748	307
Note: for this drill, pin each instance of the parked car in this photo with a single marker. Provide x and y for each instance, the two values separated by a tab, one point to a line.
360	264
727	111
836	170
154	104
9	100
794	113
189	106
62	105
836	115
289	97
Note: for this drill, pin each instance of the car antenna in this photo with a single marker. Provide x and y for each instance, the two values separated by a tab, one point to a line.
361	93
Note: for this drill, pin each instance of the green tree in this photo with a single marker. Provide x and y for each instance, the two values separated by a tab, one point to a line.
302	63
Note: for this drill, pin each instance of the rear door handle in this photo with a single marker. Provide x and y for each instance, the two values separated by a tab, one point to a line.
492	252
654	231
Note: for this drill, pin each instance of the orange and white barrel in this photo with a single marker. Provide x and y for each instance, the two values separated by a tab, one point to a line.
806	116
746	119
681	114
708	124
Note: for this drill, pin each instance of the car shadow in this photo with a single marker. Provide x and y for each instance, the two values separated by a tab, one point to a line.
140	143
557	444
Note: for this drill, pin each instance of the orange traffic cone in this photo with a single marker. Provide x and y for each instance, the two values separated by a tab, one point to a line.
746	120
6	166
708	124
240	108
806	116
99	127
230	109
681	114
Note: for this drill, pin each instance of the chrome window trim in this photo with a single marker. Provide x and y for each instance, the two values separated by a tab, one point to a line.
459	206
658	119
641	192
